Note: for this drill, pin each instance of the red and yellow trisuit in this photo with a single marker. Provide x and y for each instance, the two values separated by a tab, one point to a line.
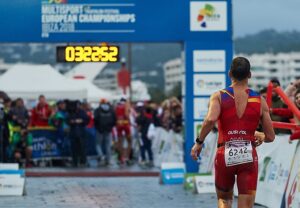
236	154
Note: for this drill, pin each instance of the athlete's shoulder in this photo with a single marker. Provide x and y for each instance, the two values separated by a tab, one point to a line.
226	93
253	93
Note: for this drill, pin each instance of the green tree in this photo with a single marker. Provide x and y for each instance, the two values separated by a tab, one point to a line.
176	91
157	95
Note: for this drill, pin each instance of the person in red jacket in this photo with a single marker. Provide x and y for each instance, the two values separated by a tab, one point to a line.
41	113
287	113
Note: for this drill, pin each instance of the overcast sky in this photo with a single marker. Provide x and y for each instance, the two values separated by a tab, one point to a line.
251	16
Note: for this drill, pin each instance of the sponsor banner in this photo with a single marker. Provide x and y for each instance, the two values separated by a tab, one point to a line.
11	185
207	156
167	147
114	20
275	160
206	163
209	60
172	173
207	84
200	108
9	166
12	172
205	184
291	197
44	146
50	143
62	16
208	16
189	181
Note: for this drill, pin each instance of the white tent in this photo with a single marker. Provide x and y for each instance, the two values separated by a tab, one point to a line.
94	94
29	81
139	91
86	70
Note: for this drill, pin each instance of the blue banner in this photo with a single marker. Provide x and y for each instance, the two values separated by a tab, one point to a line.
205	27
50	143
114	20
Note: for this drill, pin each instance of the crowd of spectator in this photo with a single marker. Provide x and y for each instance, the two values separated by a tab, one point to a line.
123	128
279	110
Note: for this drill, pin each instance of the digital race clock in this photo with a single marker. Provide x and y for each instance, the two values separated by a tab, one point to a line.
87	54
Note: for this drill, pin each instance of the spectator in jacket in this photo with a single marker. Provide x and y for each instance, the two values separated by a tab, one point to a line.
105	120
58	120
19	114
287	113
77	120
143	120
292	88
41	113
278	103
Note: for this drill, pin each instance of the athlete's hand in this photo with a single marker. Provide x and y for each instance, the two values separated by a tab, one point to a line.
259	138
196	151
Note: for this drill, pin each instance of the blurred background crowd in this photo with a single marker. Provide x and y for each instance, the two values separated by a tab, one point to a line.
121	132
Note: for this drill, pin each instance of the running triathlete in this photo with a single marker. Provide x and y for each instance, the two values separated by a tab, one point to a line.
238	111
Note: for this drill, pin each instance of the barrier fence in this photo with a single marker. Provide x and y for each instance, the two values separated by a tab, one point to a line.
279	162
279	170
49	143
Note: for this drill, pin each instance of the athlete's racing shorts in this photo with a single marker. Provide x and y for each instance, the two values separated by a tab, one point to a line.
246	173
123	130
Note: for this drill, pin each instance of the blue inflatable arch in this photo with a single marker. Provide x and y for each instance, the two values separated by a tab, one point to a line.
204	27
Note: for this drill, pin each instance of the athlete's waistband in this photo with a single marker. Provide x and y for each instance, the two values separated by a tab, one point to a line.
223	144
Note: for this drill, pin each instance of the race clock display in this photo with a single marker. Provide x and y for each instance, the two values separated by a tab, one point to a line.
87	54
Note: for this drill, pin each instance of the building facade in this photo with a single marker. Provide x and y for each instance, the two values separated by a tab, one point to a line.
264	67
173	74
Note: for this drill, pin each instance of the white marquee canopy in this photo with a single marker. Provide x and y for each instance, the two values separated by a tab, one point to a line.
29	81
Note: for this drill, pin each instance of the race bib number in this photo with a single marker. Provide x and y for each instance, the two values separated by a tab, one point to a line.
238	152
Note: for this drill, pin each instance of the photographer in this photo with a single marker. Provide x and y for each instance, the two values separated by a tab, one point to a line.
77	120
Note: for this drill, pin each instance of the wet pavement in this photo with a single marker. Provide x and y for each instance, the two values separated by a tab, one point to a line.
106	192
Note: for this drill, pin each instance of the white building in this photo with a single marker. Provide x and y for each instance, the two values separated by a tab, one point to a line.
283	66
173	74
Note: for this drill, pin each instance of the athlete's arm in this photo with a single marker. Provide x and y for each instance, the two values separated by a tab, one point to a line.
266	122
214	111
259	138
213	114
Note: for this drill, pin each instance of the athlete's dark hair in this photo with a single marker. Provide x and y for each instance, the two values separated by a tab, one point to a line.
240	68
